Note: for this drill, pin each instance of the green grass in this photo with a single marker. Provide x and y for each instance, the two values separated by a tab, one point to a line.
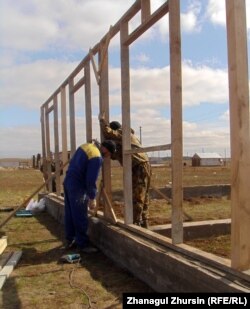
192	176
18	184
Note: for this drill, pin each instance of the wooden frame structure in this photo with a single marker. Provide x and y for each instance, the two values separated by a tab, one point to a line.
239	110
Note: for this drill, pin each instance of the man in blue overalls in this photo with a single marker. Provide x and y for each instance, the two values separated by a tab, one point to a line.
80	192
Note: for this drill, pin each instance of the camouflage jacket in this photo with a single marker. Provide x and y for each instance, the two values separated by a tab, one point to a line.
116	135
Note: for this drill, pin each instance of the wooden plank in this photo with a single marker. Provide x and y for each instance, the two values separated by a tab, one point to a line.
72	124
126	138
104	51
104	107
94	66
209	259
64	130
111	214
148	149
176	120
50	109
4	257
56	139
88	108
3	244
239	132
79	84
8	268
47	165
145	10
158	14
43	136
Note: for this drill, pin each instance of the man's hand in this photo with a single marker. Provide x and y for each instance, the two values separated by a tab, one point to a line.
92	204
101	116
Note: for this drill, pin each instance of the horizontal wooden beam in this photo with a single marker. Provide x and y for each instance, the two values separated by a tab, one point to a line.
148	149
50	109
78	85
160	12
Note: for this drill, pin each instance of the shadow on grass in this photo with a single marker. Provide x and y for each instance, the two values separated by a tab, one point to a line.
101	268
41	242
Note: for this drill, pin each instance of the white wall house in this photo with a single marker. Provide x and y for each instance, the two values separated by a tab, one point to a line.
207	159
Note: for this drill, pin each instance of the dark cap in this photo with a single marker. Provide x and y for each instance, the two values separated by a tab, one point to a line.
115	125
110	145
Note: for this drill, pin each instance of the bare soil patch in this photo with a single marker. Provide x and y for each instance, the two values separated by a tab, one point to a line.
40	281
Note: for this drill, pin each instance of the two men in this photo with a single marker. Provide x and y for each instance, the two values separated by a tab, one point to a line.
141	169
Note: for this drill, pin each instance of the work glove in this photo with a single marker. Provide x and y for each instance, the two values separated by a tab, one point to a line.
92	204
101	117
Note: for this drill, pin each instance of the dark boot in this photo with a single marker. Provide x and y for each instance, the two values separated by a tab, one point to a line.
137	223
70	244
144	224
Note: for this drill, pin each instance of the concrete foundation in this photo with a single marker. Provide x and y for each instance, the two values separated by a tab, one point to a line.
189	192
152	257
202	229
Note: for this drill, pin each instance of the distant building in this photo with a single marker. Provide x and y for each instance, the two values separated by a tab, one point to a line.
15	163
207	159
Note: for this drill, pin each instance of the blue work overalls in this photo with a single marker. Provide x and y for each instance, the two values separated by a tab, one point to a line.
79	187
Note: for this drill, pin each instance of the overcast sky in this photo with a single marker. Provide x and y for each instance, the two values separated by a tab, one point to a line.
41	42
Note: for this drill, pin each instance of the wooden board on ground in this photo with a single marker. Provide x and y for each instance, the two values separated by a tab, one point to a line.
3	244
4	258
9	266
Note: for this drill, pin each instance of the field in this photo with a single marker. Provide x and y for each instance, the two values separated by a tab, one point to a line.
40	281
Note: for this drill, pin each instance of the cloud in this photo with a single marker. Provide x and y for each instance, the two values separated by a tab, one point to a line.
225	116
34	25
29	85
216	12
26	30
142	57
204	84
40	41
207	139
191	19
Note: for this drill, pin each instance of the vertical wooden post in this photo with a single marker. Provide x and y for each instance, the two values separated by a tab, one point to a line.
56	138
72	117
240	134
88	110
126	138
43	137
176	120
104	107
64	130
145	10
47	168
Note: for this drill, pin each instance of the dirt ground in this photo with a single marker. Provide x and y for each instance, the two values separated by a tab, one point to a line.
40	280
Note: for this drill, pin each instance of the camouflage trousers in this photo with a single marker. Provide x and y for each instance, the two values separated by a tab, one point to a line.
141	175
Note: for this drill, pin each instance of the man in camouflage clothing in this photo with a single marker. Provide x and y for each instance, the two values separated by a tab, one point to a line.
141	170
